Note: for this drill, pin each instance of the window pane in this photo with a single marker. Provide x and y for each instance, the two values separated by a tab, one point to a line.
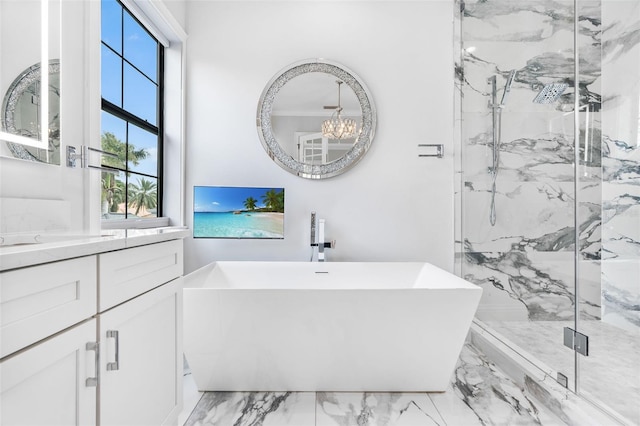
143	196
140	95
111	76
143	150
113	196
130	81
140	48
112	24
113	137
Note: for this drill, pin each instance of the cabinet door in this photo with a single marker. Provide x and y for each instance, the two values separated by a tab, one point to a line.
141	359
47	384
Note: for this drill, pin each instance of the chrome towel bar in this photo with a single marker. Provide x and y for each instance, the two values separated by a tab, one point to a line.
435	150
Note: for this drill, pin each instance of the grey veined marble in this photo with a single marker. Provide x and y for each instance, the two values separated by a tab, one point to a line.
521	261
253	409
621	165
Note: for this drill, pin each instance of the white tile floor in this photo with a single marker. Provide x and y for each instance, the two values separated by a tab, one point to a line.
479	394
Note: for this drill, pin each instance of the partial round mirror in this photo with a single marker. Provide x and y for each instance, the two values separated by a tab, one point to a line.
316	119
21	113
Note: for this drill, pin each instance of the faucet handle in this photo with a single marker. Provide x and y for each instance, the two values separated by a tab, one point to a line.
330	244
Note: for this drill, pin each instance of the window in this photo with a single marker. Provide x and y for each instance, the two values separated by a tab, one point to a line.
131	118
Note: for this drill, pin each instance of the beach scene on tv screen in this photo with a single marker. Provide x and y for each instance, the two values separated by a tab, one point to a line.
238	212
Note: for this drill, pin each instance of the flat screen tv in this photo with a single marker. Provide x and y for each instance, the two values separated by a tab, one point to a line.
238	212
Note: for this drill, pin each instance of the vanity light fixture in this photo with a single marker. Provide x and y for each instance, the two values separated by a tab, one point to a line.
337	127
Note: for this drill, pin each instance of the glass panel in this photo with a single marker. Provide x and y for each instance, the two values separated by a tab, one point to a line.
113	196
111	76
143	151
609	196
517	188
114	138
142	196
140	95
140	48
112	24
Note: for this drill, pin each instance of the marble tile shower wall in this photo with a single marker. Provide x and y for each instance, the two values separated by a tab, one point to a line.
621	163
525	262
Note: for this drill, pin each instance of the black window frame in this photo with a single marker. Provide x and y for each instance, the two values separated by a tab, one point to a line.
130	118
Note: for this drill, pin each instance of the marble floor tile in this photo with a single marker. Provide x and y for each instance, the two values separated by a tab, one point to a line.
479	394
254	409
190	397
375	409
453	409
490	395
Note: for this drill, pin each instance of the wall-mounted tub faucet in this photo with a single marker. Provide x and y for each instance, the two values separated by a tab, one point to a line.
319	242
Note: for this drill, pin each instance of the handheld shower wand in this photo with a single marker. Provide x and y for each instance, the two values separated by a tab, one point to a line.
507	87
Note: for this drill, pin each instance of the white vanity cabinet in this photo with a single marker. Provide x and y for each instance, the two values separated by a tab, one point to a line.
140	339
57	375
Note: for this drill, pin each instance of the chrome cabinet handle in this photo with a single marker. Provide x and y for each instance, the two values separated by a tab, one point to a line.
113	366
92	382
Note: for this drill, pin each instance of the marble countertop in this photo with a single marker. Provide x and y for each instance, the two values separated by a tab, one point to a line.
54	247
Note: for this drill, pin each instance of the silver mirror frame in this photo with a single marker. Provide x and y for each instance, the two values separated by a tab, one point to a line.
286	161
14	93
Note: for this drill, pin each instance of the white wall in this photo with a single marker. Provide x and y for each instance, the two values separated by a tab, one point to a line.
178	9
392	205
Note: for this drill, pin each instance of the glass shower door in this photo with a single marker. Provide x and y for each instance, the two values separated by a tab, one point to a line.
517	191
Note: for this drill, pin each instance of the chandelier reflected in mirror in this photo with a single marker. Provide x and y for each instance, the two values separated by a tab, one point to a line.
338	127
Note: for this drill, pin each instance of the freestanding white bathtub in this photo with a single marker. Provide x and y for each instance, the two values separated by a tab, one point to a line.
342	326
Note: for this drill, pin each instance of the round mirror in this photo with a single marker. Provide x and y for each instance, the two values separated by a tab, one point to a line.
316	119
21	113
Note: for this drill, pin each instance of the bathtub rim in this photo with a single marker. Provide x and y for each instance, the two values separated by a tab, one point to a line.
204	277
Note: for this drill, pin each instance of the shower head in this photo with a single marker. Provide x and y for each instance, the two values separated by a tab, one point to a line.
507	86
550	93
